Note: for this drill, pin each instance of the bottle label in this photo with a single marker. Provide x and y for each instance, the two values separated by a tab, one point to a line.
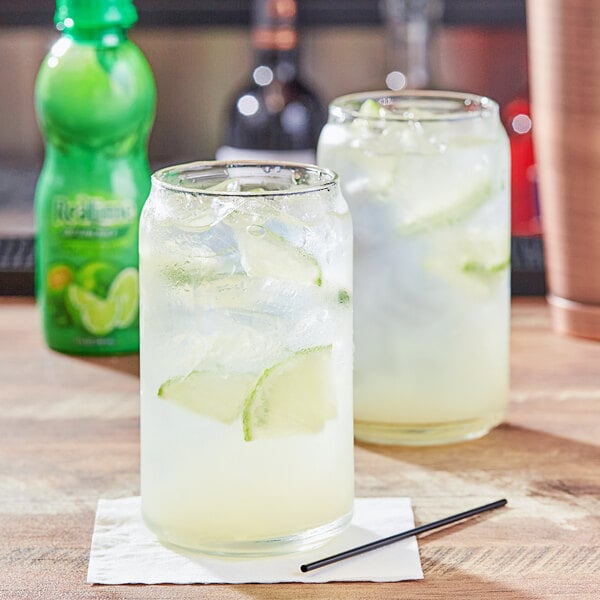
93	217
299	156
89	273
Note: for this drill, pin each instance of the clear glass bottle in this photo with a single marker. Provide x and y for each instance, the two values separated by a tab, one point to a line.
411	27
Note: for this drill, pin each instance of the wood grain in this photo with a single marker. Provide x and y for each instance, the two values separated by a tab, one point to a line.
69	435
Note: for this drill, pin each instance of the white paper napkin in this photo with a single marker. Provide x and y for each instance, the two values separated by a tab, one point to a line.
125	551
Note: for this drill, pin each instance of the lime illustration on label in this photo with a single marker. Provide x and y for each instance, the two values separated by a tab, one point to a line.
91	282
98	297
101	299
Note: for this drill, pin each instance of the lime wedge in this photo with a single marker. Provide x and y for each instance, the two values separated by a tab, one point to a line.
270	255
482	252
96	315
216	395
295	396
472	259
207	265
486	265
424	208
371	109
124	293
370	115
343	297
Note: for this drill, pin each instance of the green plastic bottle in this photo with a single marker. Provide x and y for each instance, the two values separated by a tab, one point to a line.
95	99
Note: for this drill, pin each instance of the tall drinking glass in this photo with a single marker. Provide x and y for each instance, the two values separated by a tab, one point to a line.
426	175
246	357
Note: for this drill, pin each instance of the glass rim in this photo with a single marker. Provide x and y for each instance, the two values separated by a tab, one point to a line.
207	166
470	106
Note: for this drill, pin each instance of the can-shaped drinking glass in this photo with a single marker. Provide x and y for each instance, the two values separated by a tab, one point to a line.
426	176
246	357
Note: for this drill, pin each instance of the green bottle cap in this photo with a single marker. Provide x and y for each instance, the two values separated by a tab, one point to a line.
90	14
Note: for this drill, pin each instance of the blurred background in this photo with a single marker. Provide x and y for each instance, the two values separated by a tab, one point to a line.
200	53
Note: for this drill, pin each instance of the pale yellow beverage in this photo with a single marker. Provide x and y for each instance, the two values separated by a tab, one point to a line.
246	357
426	176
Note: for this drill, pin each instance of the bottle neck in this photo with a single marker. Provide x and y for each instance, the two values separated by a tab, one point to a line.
283	63
104	36
411	27
274	36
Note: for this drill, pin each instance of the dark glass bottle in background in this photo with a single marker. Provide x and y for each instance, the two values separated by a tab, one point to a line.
275	115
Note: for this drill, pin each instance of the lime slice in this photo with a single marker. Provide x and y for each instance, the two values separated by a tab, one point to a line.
371	109
206	265
343	297
425	207
95	314
216	395
472	259
124	293
490	261
482	252
270	255
369	117
295	396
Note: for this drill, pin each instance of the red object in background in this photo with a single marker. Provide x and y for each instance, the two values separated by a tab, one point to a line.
525	216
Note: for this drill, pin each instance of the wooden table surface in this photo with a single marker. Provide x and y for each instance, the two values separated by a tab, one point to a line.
69	435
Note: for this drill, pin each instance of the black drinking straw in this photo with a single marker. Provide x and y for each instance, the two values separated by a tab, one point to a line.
400	536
